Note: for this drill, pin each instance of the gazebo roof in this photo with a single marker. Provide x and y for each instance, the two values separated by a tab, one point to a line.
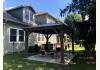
49	28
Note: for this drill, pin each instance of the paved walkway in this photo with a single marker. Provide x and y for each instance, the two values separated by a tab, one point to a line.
51	59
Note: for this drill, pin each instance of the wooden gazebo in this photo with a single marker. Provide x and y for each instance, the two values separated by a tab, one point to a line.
48	30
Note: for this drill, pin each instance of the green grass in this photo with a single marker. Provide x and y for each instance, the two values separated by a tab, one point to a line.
17	61
82	62
77	48
83	67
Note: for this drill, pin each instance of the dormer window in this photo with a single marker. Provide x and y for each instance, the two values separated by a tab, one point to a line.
31	16
27	15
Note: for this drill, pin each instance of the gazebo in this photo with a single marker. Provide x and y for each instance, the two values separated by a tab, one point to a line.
49	29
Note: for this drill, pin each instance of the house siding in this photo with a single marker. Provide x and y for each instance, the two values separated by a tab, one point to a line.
50	20
53	39
17	47
32	40
41	20
46	19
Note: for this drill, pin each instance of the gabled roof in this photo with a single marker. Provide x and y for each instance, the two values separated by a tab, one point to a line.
41	13
8	17
22	6
44	13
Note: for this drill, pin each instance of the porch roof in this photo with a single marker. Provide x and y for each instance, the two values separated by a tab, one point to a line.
49	28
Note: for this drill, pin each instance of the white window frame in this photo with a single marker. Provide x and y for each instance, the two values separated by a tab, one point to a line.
41	36
32	18
17	37
23	14
29	13
25	20
9	34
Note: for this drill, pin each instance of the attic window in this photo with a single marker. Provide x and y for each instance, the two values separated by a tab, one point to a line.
26	14
31	16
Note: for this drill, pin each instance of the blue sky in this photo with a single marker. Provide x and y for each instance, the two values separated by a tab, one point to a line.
50	6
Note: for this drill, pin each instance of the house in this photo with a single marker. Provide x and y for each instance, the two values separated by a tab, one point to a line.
24	16
42	18
13	22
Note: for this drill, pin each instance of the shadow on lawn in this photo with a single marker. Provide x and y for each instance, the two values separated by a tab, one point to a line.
83	61
17	61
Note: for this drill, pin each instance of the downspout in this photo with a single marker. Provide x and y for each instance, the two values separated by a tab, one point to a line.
4	32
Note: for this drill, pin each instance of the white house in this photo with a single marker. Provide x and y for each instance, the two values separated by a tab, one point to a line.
24	16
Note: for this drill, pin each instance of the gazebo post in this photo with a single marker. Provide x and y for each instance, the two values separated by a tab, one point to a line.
72	43
26	42
47	38
62	46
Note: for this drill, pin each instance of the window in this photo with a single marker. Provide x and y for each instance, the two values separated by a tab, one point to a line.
21	35
31	16
13	35
16	35
40	37
26	14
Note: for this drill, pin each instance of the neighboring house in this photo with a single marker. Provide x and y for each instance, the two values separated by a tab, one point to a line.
24	16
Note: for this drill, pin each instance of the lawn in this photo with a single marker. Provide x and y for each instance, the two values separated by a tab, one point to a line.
17	61
77	48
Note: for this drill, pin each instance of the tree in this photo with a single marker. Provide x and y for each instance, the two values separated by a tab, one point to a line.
87	31
70	20
83	7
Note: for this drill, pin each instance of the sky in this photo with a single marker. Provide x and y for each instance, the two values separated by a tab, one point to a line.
51	6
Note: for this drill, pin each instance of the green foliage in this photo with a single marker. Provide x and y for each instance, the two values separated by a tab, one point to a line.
81	6
74	17
87	31
70	20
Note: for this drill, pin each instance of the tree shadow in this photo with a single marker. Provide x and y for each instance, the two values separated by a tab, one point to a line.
18	62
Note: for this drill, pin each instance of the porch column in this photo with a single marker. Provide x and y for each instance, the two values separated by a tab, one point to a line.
47	36
62	46
26	41
47	39
72	43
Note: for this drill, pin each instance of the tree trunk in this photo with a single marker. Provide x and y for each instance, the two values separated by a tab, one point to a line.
72	44
62	46
26	42
93	50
